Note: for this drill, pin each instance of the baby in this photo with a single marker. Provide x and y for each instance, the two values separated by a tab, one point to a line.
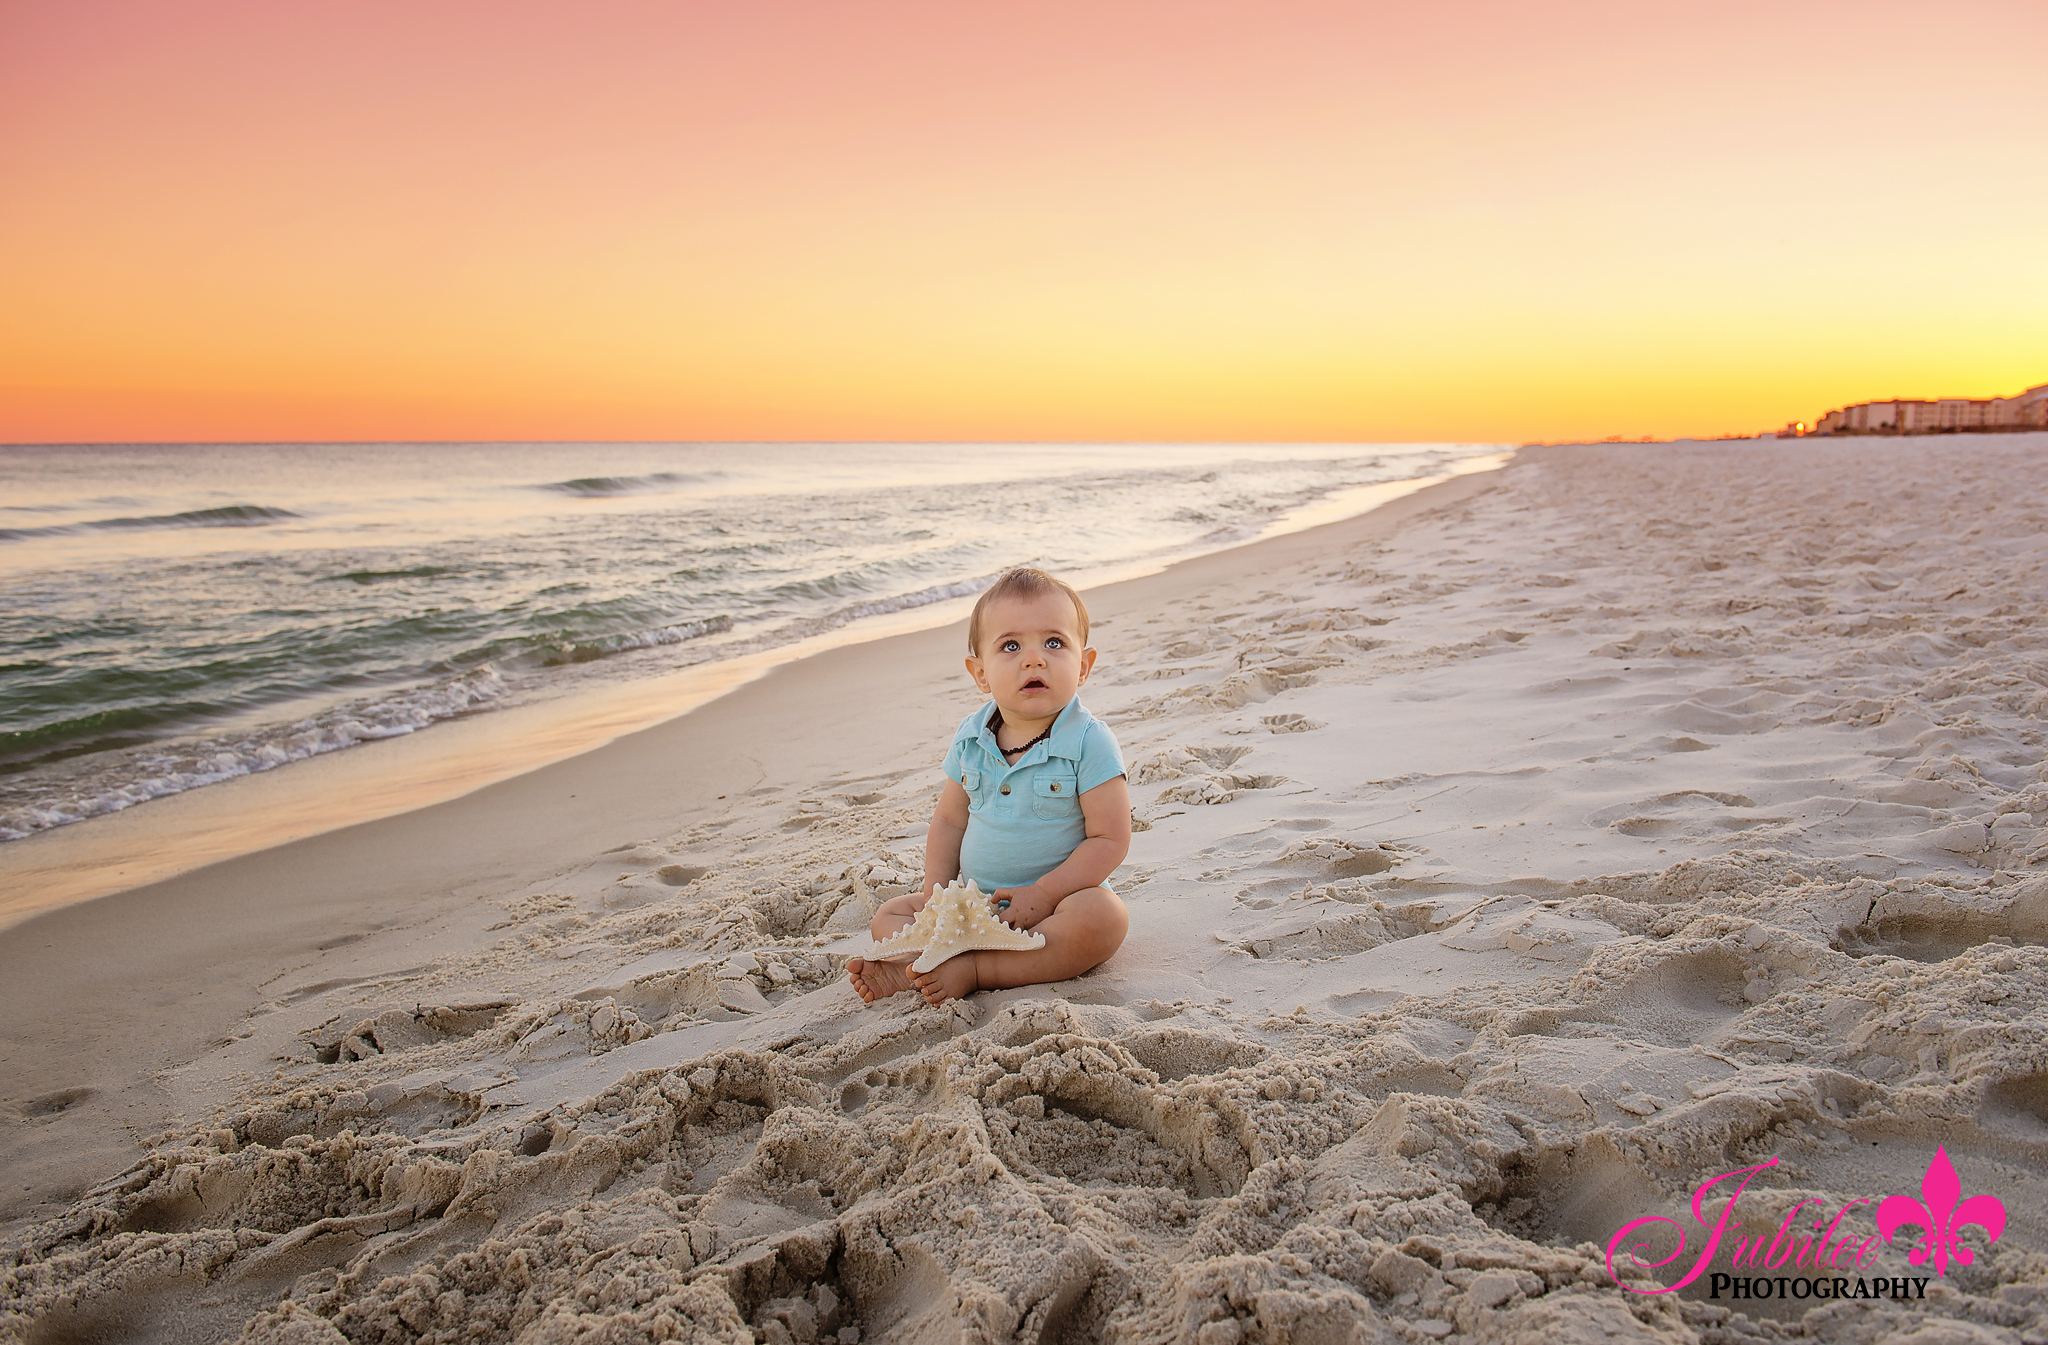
1035	808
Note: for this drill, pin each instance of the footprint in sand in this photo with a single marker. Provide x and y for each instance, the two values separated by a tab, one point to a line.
1175	1053
1218	789
1175	762
54	1104
1335	857
401	1029
2017	1107
1692	811
1675	1000
679	875
1089	1111
1936	924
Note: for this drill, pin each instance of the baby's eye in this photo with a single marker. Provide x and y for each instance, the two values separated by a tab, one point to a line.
1011	646
1055	643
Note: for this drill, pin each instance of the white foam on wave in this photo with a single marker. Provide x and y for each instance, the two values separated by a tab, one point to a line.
924	597
118	780
676	634
226	516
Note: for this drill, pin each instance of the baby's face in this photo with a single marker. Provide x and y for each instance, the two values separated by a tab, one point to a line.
1030	656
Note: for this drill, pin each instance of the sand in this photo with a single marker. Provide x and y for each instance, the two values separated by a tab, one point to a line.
1514	859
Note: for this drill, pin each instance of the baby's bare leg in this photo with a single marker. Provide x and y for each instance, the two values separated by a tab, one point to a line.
897	913
874	980
1080	935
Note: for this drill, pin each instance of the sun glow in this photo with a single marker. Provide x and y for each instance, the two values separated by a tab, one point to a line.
912	220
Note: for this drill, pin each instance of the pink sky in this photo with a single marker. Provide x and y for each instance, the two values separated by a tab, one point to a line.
920	220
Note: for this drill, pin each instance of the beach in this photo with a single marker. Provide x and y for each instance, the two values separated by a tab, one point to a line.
1512	860
187	616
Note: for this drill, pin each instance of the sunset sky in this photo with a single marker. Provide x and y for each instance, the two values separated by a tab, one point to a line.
785	219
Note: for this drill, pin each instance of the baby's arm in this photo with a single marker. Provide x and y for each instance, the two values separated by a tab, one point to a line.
942	840
1106	810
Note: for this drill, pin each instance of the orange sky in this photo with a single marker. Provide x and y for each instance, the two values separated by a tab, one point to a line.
667	219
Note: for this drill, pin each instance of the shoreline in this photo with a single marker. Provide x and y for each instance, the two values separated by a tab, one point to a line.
164	837
233	926
1512	860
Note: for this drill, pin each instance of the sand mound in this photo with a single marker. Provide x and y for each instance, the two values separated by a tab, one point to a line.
1130	1173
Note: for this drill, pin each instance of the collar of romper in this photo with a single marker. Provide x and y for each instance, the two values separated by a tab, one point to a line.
995	726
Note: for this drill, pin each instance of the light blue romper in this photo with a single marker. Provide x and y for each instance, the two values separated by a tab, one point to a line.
1024	820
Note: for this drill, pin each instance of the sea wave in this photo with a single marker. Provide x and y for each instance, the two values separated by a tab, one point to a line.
676	634
595	486
555	652
110	781
410	572
802	627
226	516
924	597
113	781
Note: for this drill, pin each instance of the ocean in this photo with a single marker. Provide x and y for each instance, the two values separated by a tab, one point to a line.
178	615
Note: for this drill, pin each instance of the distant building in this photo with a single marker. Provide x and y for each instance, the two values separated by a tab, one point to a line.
1948	415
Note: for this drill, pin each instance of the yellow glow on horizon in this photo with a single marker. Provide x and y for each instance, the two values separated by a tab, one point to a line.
1140	221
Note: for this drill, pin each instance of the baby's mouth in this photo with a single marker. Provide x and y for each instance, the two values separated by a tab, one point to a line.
1035	684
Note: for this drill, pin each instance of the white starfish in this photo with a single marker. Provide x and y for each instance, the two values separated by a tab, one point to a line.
957	919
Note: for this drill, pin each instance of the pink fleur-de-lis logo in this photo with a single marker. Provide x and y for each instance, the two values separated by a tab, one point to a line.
1941	1216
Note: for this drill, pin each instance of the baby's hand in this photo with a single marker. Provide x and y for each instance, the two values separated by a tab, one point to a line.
1022	906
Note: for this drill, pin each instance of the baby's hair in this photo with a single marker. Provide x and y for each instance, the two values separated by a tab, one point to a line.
1023	582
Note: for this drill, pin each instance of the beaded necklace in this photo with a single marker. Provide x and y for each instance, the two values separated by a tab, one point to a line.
995	725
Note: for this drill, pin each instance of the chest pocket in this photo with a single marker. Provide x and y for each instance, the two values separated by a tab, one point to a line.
1055	796
972	782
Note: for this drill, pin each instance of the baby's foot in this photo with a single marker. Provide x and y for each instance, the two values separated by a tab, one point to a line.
952	979
877	980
